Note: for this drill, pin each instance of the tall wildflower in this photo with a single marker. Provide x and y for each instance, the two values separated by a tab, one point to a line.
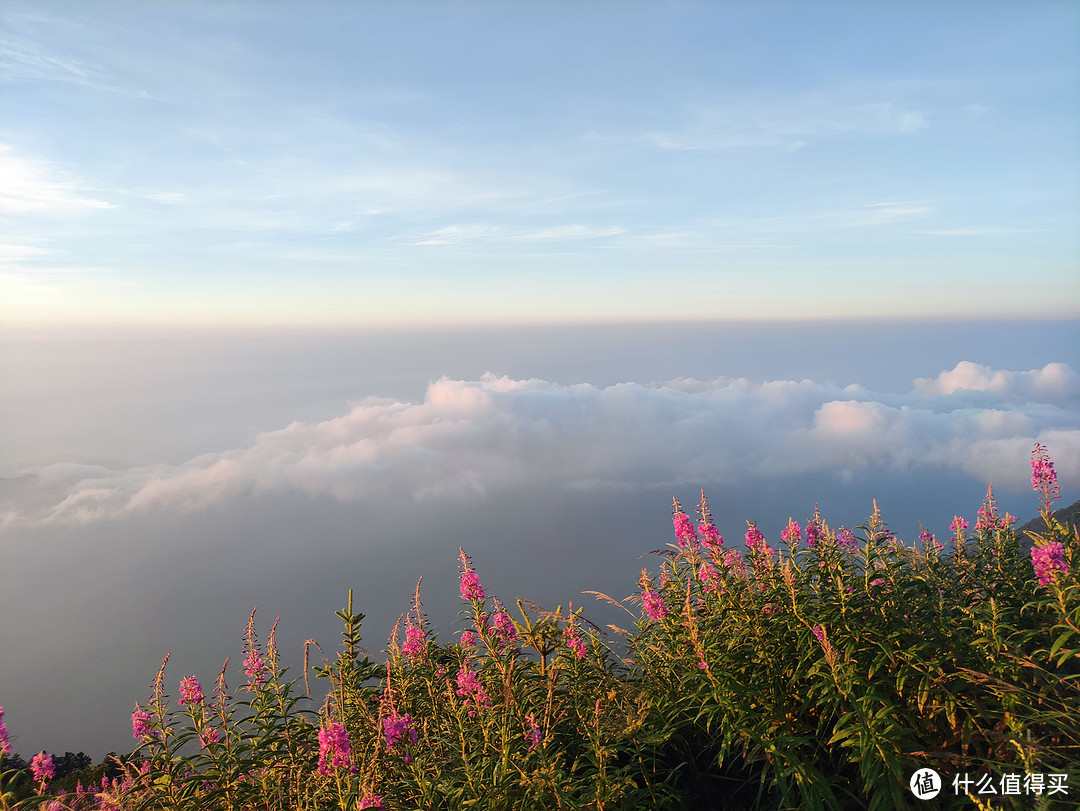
334	749
42	768
651	601
791	534
756	543
141	724
1044	477
5	741
846	540
470	690
190	691
502	627
1048	559
573	638
685	534
988	520
533	734
470	582
710	536
397	726
254	666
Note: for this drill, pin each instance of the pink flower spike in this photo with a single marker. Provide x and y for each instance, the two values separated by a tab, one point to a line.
685	534
41	766
141	728
334	749
470	582
190	691
1048	559
5	741
1043	476
792	533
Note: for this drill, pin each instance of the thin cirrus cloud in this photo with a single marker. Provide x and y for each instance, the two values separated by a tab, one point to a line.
468	439
31	186
788	123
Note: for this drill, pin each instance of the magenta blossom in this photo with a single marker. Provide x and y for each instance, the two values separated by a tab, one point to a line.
397	726
708	577
141	724
1048	559
573	641
533	734
1043	476
470	582
415	643
190	691
5	741
503	628
468	639
470	689
371	800
685	534
791	533
846	540
958	525
755	542
41	766
208	736
334	749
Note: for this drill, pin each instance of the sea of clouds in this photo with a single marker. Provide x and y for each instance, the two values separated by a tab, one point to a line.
467	439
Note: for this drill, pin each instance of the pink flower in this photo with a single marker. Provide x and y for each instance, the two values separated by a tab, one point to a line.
397	726
653	604
5	741
533	734
734	562
790	534
208	736
1048	559
958	525
929	541
371	800
254	666
573	641
468	639
703	665
470	689
190	691
755	542
846	540
708	577
334	748
41	766
415	643
1043	476
685	534
141	721
503	627
470	582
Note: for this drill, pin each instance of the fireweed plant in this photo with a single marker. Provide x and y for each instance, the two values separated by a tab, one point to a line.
817	673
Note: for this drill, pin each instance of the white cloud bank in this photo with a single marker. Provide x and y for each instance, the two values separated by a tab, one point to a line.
469	438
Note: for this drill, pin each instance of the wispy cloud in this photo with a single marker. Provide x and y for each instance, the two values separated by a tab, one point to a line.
28	185
469	438
787	123
460	234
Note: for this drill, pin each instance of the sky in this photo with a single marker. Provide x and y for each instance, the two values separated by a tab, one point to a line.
418	163
301	297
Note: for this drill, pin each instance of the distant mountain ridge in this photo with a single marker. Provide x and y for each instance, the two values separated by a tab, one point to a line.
1066	515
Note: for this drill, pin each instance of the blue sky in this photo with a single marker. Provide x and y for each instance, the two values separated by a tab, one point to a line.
419	163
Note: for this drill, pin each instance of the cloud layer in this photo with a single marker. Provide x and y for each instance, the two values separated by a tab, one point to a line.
469	438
